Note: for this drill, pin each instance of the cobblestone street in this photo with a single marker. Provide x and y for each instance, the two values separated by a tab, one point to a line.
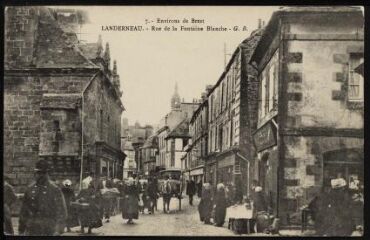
181	223
177	223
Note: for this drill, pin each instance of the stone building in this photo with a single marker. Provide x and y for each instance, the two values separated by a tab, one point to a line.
150	154
180	111
232	114
311	111
175	141
61	103
135	136
129	166
196	150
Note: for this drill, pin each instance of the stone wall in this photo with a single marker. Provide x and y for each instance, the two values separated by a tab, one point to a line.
22	98
20	26
45	75
304	167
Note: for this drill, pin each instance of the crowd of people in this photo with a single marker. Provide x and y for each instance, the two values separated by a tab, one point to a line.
51	208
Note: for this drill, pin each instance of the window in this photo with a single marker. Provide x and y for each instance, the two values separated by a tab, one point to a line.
231	131
220	138
184	142
57	136
263	96
271	97
356	79
101	125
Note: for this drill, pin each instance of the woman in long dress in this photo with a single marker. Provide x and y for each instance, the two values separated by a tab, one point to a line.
205	205
220	202
90	216
130	208
69	196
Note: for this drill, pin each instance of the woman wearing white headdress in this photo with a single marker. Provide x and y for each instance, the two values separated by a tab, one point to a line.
69	196
130	208
333	211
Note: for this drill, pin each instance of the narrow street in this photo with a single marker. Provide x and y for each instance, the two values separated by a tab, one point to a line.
180	223
177	223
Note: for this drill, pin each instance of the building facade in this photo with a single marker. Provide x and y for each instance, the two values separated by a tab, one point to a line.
129	166
169	147
150	155
197	149
135	137
61	103
232	114
310	114
175	142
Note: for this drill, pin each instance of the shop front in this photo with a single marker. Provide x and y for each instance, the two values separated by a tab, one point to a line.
266	164
343	163
210	171
226	168
197	174
109	161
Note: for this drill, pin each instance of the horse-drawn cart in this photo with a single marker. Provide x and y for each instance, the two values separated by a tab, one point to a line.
175	182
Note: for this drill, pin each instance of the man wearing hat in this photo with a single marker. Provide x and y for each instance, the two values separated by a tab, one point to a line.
43	210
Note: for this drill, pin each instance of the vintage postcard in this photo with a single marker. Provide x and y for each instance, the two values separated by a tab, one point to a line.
184	121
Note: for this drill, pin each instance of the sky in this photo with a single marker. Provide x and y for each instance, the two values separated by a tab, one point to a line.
150	63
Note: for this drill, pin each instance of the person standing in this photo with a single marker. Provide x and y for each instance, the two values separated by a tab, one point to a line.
44	210
155	183
199	188
190	191
107	199
9	199
220	205
69	196
152	194
130	208
260	208
259	201
166	194
238	192
90	213
333	212
205	205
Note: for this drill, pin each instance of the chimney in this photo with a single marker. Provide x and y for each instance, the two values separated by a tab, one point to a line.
259	23
263	23
204	96
100	47
208	88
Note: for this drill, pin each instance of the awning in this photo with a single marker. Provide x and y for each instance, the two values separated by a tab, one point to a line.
198	171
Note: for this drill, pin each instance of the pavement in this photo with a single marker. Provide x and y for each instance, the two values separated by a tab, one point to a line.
176	223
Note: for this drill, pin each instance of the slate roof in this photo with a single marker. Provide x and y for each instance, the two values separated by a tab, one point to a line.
60	101
56	48
180	131
91	50
151	142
